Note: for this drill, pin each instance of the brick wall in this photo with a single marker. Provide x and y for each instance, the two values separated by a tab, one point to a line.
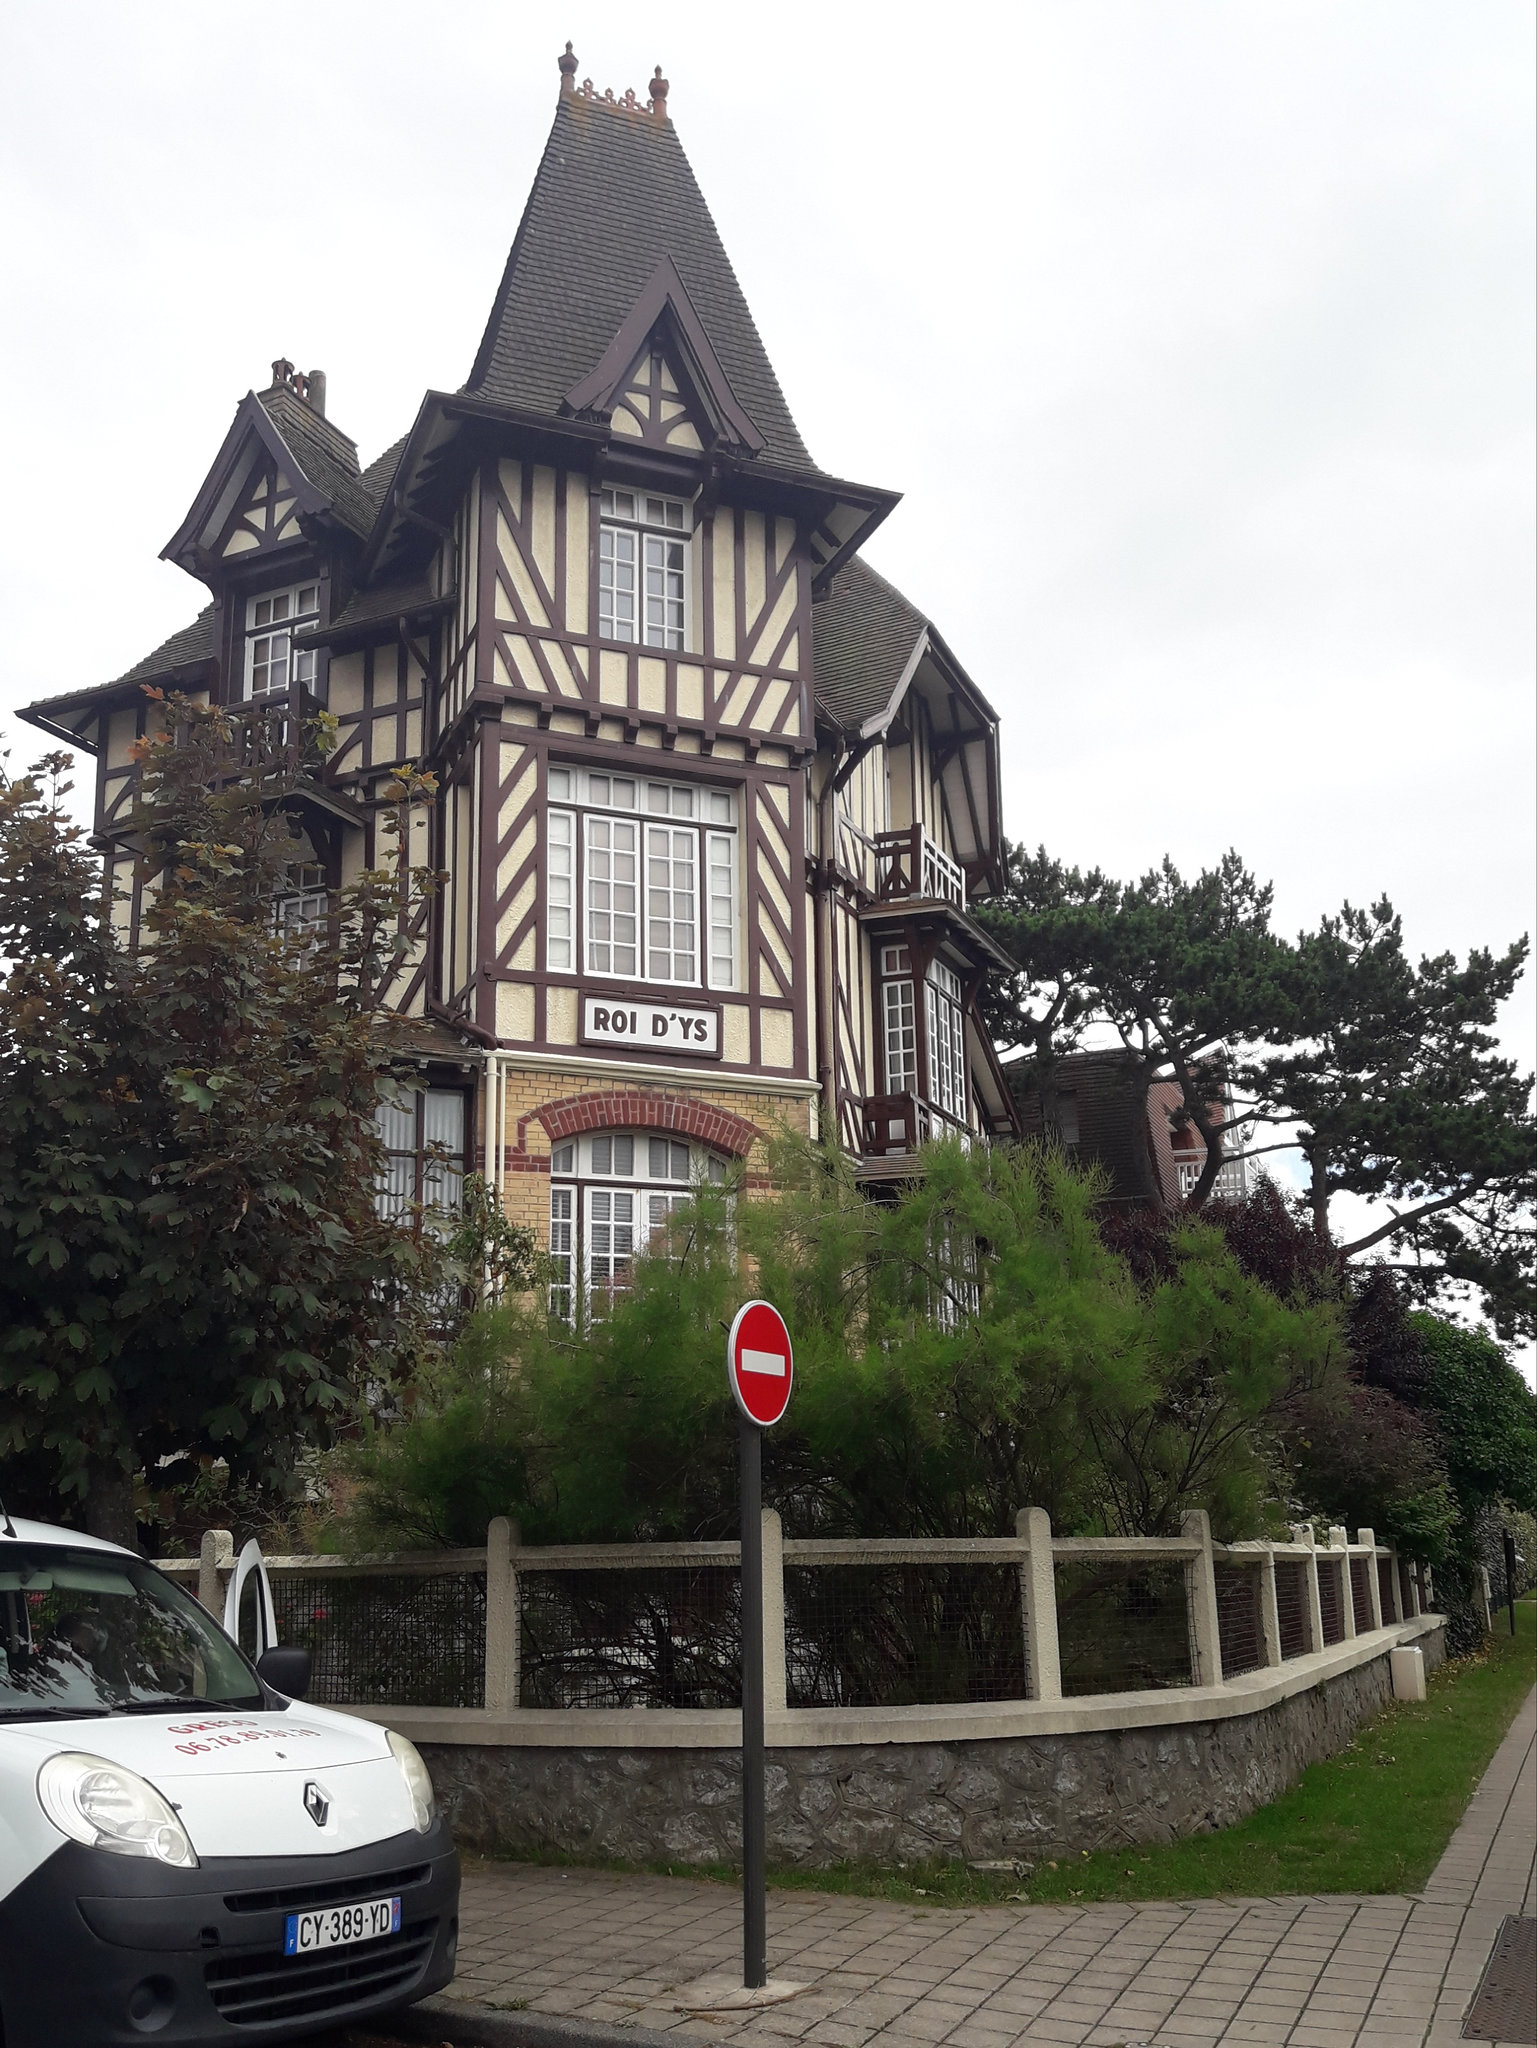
543	1108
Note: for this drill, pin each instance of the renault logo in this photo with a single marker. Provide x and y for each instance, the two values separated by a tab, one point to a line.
316	1804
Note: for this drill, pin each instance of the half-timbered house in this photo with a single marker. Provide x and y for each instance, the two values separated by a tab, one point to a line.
714	798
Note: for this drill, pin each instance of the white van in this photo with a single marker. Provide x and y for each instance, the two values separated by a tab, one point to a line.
186	1853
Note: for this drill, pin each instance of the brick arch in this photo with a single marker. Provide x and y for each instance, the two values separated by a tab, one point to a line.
641	1111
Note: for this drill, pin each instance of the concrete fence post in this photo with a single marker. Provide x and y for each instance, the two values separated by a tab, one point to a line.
1482	1592
1367	1538
1269	1613
1038	1589
503	1538
1310	1579
1339	1540
774	1694
1201	1597
215	1554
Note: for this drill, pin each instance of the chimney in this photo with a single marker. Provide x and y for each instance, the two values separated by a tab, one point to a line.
315	391
658	95
568	72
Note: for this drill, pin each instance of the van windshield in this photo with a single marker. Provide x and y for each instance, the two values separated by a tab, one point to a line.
89	1632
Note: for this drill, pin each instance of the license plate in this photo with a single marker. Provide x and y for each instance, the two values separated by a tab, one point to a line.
338	1926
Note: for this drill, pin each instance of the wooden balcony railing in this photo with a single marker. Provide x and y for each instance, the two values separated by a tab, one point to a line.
910	863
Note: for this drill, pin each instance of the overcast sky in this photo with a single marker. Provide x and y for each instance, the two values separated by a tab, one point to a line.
1198	337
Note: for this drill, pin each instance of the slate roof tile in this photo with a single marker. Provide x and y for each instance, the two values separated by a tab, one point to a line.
324	453
863	634
385	601
613	195
193	643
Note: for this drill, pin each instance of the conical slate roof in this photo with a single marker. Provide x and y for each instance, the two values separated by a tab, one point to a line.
613	196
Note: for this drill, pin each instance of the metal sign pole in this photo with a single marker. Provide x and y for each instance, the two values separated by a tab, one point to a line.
754	1916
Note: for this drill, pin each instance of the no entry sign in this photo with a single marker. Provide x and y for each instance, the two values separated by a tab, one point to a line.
759	1363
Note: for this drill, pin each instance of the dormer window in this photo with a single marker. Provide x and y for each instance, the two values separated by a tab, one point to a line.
643	568
272	662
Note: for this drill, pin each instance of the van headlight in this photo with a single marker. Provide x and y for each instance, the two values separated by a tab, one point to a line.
107	1807
424	1805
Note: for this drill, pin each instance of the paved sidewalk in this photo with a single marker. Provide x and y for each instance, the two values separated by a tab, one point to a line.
1324	1972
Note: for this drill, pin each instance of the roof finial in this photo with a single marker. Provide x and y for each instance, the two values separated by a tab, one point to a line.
568	71
658	95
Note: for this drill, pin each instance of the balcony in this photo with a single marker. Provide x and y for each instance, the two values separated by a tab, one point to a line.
1231	1184
895	1126
909	864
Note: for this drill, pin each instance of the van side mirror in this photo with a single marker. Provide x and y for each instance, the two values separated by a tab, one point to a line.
286	1668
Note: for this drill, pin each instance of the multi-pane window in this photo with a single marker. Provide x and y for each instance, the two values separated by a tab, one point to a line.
301	906
944	1031
560	846
672	903
424	1158
899	1022
610	1193
613	896
641	879
643	568
272	662
947	1040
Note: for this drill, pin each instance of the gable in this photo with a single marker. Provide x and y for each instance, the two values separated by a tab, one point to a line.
265	517
256	493
650	406
659	366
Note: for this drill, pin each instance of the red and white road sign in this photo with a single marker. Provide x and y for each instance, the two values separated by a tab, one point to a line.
759	1363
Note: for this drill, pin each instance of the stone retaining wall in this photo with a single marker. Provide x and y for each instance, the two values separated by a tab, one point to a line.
907	1802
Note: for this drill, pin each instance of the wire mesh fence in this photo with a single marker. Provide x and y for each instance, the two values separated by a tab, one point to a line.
377	1639
1331	1608
889	1635
661	1628
1240	1630
1385	1591
1123	1625
1361	1594
1293	1622
667	1636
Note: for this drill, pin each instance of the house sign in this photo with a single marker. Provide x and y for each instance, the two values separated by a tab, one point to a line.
661	1027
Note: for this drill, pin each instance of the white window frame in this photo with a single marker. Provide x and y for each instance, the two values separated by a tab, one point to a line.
643	569
587	807
269	639
899	1022
610	1192
946	1031
303	904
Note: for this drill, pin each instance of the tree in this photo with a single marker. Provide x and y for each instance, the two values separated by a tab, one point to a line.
1391	1075
1385	1074
191	1260
964	1349
1181	970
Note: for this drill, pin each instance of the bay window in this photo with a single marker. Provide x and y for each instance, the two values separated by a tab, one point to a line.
947	1040
940	1080
641	879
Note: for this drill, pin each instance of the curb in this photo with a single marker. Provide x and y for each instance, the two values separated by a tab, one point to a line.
449	2023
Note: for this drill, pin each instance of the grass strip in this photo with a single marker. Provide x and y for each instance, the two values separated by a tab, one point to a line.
1375	1817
